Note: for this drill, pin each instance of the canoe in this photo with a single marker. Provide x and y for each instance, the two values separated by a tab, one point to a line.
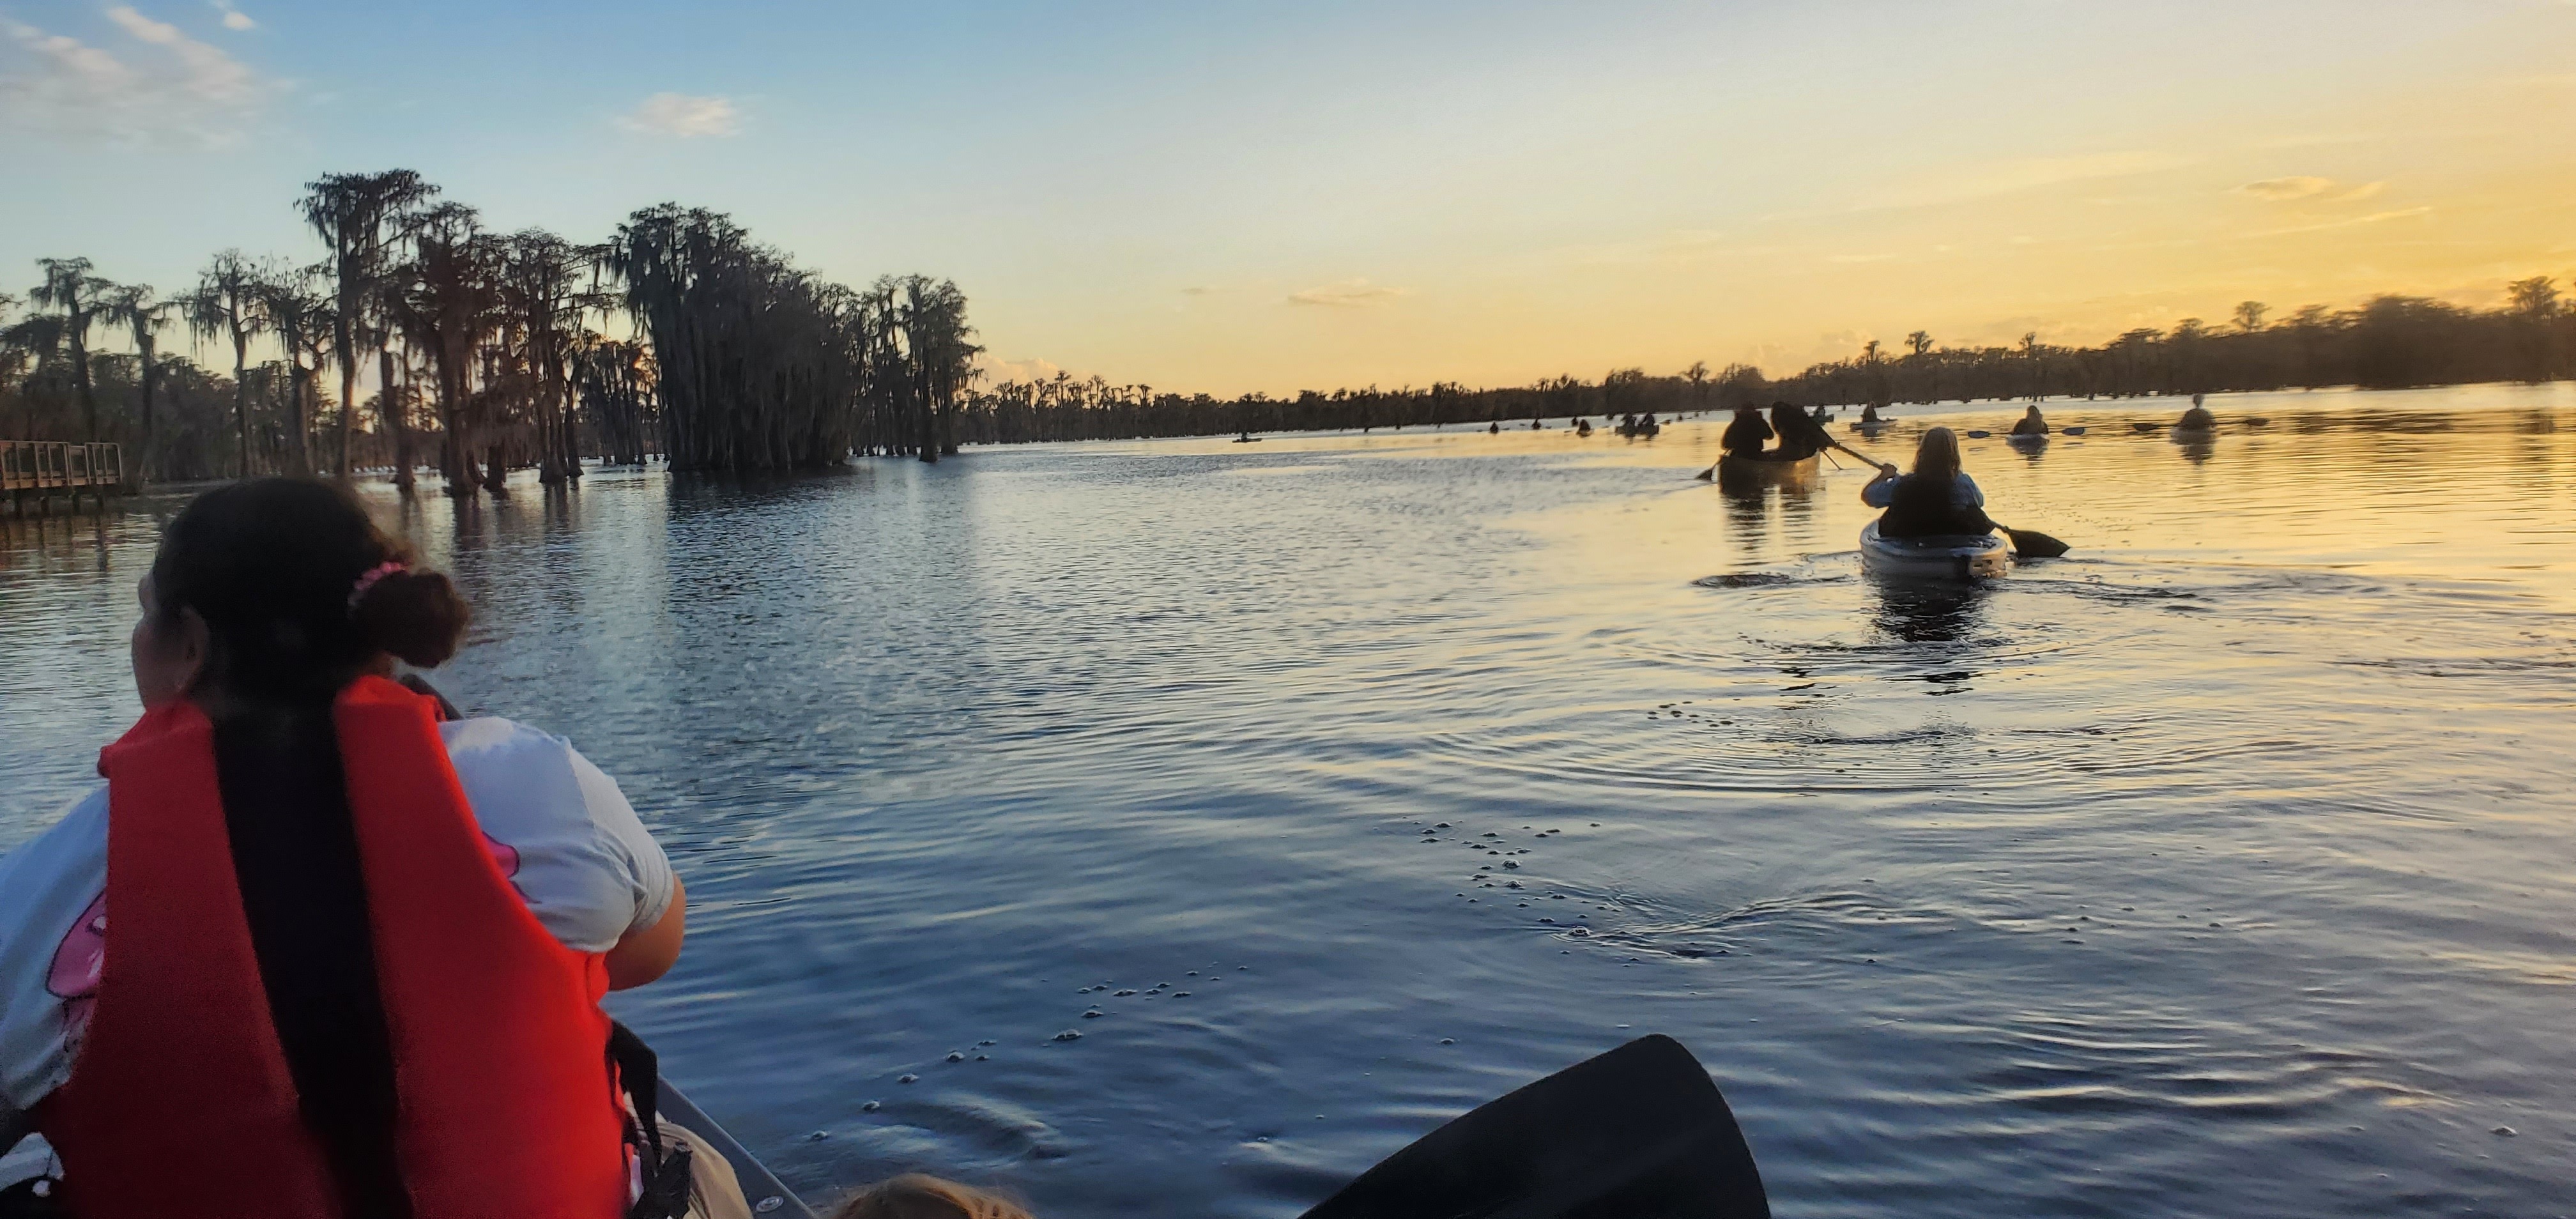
769	1198
1934	558
1763	471
760	1187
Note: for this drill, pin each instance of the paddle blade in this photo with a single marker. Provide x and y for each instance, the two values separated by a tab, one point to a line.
2073	431
2146	427
1979	435
1637	1133
2032	544
1706	474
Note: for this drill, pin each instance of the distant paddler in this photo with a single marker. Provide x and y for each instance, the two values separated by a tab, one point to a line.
1746	433
2032	423
2197	419
1801	437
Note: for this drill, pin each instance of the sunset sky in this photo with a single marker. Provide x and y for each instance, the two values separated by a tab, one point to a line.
1230	196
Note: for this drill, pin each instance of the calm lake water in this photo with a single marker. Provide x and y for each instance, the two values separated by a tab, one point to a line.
2222	868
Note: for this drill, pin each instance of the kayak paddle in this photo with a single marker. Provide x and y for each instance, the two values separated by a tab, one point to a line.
2032	544
1637	1133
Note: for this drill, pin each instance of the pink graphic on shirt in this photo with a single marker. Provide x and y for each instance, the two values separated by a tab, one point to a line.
505	855
74	976
82	956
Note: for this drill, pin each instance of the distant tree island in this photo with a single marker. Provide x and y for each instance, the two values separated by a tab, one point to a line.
676	336
679	337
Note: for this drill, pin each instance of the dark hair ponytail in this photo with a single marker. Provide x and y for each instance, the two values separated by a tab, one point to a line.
301	593
275	567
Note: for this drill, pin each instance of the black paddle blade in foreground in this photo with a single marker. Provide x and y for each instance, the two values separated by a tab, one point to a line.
1637	1133
2032	544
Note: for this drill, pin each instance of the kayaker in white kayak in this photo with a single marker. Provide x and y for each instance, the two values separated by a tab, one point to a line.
358	953
1937	500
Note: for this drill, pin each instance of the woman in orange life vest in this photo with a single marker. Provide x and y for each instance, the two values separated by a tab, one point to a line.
357	957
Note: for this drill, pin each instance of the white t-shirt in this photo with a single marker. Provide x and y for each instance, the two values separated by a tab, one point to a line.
562	832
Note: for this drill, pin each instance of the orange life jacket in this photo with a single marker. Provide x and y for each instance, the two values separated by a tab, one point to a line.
181	1101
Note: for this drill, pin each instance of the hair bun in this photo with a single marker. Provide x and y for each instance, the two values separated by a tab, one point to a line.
416	615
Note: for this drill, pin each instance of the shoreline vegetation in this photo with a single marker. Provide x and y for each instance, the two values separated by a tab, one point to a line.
680	337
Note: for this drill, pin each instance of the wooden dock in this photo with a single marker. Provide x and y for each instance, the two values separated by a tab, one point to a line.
40	469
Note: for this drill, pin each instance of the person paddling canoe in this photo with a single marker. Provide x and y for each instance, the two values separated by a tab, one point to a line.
1801	437
2031	423
1937	500
1746	433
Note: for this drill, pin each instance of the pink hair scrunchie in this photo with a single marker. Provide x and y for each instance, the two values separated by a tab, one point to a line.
374	574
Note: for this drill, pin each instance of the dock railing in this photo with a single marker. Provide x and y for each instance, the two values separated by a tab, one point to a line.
39	468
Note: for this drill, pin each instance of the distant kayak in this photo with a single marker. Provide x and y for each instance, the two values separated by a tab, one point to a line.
1934	558
2027	440
1871	427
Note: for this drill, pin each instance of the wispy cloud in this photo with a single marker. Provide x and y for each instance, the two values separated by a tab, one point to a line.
2346	222
157	84
234	19
1970	183
684	116
1348	294
2305	187
1855	259
2283	190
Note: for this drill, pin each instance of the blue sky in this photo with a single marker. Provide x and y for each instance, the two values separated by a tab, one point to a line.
1239	196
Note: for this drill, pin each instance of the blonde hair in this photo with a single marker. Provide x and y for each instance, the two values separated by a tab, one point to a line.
919	1196
1938	455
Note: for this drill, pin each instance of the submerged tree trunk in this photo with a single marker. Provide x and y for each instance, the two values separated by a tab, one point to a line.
150	377
348	395
300	413
241	394
389	408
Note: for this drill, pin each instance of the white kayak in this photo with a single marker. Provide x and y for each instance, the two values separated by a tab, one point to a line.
1934	558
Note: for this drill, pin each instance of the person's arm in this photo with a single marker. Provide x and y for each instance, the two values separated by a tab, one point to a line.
1968	493
1881	490
647	953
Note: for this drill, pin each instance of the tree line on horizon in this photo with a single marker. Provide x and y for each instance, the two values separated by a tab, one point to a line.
2389	342
681	337
677	336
